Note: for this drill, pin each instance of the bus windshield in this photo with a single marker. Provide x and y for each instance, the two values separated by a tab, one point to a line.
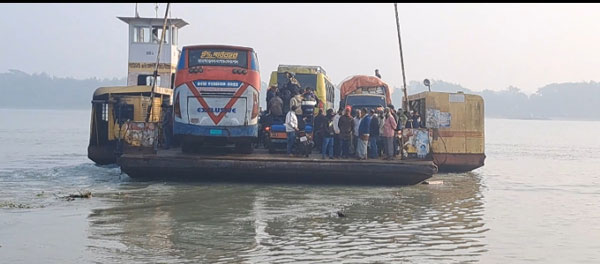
218	57
305	80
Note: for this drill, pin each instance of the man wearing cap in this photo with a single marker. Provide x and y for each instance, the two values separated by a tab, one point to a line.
346	124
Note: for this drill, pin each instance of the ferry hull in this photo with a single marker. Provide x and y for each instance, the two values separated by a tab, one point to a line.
268	169
102	155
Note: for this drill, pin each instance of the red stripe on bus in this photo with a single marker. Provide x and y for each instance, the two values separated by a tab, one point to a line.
217	119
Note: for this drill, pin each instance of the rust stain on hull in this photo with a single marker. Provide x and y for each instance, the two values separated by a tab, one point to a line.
448	162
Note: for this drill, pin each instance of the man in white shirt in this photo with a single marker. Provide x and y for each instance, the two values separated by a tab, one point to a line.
355	134
291	126
337	146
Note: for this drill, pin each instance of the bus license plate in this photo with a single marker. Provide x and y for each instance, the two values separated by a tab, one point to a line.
216	131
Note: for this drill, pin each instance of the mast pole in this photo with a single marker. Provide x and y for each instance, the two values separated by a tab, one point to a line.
405	104
162	38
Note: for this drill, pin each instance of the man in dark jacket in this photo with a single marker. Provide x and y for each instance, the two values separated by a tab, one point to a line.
318	129
270	93
276	106
327	147
373	135
346	124
416	120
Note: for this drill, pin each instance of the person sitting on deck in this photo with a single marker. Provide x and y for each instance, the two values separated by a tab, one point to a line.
291	126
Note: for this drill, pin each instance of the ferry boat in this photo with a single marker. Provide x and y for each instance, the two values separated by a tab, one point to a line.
121	131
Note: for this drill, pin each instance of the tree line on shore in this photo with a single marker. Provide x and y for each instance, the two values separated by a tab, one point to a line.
572	100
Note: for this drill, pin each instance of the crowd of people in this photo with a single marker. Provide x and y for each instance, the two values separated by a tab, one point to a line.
280	101
362	134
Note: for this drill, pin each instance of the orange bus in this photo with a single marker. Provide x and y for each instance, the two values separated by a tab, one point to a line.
216	97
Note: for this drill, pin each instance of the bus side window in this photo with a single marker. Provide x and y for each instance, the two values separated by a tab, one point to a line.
254	62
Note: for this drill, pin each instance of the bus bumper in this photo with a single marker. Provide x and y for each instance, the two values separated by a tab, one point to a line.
250	131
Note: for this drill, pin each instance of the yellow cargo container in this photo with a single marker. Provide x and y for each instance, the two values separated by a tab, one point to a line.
456	126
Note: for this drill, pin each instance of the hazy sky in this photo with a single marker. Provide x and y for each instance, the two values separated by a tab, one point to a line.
480	46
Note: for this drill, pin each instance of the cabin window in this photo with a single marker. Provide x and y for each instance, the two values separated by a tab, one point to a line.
157	33
173	36
124	112
147	79
141	34
150	80
105	112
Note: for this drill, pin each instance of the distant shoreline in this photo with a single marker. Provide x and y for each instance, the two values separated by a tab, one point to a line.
490	117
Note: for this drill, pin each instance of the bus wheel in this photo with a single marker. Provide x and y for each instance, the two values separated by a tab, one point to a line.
245	148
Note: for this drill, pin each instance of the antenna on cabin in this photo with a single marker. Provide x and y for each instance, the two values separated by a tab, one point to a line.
156	8
136	11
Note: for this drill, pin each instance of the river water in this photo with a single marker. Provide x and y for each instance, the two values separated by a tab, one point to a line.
537	200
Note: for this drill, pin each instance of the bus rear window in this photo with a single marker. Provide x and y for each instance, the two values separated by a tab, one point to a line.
305	80
218	57
366	100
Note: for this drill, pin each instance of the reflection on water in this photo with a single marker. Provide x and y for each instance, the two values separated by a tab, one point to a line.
279	223
535	200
